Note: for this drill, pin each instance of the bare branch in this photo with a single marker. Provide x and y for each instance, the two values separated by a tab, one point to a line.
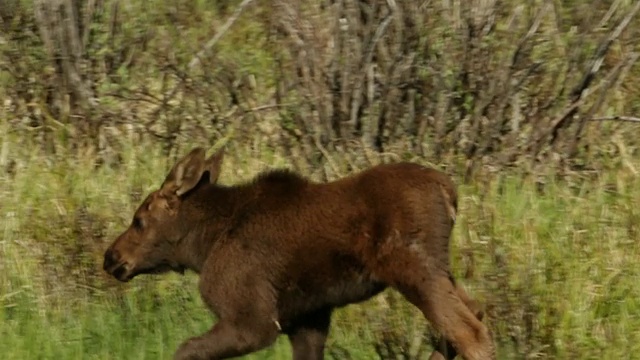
612	9
617	118
612	78
88	18
366	63
214	40
598	58
532	30
594	66
197	59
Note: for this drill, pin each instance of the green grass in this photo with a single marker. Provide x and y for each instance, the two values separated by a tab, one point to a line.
556	269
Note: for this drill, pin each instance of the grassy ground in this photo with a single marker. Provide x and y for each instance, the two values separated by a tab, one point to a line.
556	266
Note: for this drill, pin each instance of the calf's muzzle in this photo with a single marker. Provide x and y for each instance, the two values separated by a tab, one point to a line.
114	265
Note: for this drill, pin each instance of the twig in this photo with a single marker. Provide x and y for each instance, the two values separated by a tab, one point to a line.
368	56
267	107
612	78
532	30
601	52
617	118
578	93
327	156
197	59
88	18
609	14
149	98
211	43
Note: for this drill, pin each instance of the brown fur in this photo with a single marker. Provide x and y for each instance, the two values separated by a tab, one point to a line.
280	253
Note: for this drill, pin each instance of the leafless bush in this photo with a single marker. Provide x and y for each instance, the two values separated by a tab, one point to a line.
488	80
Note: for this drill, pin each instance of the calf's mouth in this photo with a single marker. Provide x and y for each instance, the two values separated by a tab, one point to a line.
124	271
120	271
115	266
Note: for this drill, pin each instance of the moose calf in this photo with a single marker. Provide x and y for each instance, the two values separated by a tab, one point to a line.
278	254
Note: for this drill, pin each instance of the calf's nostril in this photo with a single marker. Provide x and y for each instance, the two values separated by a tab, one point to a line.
111	257
119	272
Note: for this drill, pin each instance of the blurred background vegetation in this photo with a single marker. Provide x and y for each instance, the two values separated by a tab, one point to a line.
530	105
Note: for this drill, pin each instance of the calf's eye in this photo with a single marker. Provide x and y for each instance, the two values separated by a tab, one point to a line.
137	223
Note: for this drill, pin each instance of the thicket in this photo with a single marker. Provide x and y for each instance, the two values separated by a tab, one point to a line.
529	104
499	83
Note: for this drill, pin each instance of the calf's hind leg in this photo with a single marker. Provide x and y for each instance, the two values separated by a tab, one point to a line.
443	350
434	293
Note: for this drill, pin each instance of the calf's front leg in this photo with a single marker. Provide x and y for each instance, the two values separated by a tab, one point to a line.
309	334
228	339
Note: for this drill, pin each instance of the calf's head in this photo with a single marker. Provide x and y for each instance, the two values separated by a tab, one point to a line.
150	242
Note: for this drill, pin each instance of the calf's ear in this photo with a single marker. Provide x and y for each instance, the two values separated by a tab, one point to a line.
213	165
186	173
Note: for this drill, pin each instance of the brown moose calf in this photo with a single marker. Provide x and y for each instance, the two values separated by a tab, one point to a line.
280	253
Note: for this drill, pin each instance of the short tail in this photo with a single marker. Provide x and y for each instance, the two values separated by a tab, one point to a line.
451	200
